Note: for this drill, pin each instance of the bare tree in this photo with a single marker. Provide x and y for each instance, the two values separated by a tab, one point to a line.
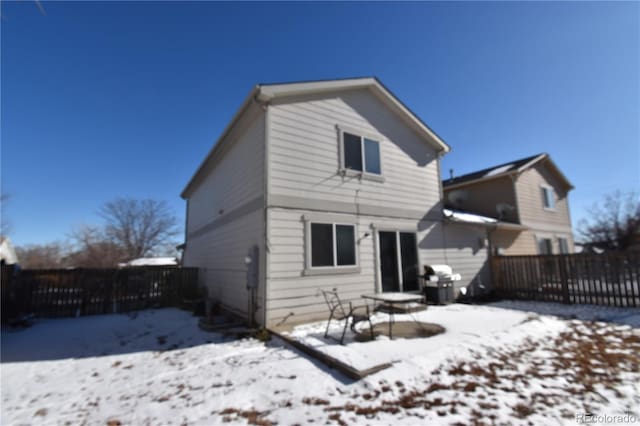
43	256
615	225
139	227
94	250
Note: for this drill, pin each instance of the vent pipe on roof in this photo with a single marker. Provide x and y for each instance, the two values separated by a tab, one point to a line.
451	174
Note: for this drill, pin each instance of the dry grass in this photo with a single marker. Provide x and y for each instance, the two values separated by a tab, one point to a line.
588	356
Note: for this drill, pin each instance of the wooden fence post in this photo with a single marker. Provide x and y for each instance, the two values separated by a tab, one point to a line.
564	280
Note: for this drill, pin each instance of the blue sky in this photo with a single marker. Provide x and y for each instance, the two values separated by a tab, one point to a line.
101	100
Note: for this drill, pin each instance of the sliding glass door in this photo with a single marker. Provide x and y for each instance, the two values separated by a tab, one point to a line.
398	261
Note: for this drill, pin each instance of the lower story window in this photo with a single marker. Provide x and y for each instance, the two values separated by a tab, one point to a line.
333	245
563	245
545	246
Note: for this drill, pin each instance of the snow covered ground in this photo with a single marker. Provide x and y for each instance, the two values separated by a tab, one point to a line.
492	365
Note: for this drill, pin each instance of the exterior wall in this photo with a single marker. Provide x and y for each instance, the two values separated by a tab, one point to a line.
530	203
466	251
304	178
483	197
294	297
220	256
543	222
235	179
514	243
304	158
225	216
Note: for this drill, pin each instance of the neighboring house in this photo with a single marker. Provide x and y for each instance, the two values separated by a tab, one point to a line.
531	192
325	184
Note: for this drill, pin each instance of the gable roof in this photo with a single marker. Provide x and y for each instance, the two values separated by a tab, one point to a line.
505	169
263	93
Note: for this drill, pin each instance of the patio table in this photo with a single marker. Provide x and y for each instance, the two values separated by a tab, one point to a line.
392	299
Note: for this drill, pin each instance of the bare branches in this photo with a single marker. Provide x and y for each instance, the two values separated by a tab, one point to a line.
139	227
614	225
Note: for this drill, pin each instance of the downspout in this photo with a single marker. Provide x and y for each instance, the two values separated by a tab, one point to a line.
443	219
491	228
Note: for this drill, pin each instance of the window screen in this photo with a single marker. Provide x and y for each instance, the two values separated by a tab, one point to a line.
544	246
345	245
547	197
372	156
564	246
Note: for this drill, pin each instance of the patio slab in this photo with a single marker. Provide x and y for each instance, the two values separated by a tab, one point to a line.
459	321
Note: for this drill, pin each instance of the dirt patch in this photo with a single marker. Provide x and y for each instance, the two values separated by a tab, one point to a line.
402	329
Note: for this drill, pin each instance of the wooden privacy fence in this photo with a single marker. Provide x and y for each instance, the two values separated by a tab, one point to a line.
610	279
75	292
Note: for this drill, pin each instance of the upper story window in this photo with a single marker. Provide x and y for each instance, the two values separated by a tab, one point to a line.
548	198
360	154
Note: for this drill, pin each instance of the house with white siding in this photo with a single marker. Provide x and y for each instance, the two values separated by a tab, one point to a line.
322	185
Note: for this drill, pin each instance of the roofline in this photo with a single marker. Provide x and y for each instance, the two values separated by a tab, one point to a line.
216	146
543	156
350	83
261	92
478	180
508	226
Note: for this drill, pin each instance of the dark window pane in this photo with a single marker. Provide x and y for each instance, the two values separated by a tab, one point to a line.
352	152
564	245
321	244
389	261
409	257
345	245
372	156
545	246
548	198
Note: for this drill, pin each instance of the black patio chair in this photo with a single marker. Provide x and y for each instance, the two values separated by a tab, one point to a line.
340	311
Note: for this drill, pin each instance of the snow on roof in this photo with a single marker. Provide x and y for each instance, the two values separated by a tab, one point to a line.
459	216
153	261
498	170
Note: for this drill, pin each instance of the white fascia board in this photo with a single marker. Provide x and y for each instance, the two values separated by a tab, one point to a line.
269	92
216	147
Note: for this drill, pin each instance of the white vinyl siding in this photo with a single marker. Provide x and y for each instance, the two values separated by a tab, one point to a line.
226	218
305	156
236	178
220	258
294	296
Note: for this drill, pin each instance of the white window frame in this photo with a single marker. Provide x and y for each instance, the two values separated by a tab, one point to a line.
552	193
362	135
335	269
566	242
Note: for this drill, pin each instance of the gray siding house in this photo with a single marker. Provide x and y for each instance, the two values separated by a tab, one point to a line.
334	184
